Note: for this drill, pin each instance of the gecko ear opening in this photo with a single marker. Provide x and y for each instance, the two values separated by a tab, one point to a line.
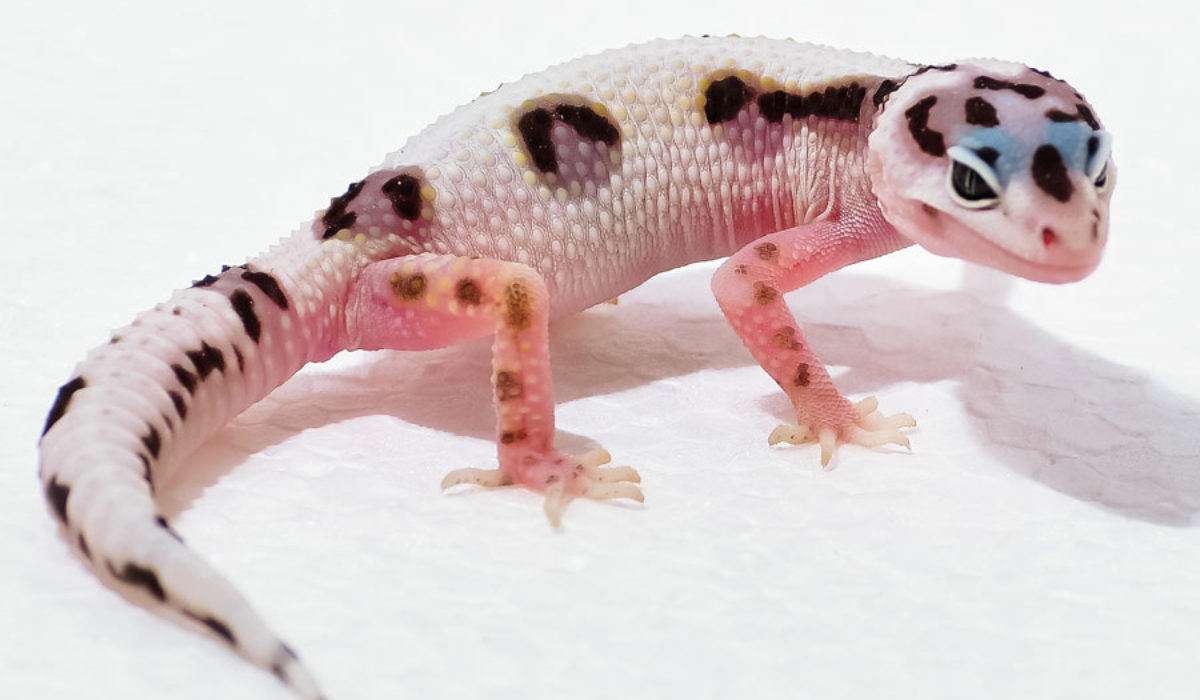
971	180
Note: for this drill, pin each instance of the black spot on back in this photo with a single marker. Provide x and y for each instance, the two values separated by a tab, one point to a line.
267	285
842	103
588	124
943	67
206	359
336	217
1050	173
404	192
724	98
1031	92
62	401
141	577
57	494
535	127
930	141
243	305
980	112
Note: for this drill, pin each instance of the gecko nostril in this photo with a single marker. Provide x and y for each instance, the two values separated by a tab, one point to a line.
1048	235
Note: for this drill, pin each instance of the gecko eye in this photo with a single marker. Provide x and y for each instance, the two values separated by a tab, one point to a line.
1099	147
971	180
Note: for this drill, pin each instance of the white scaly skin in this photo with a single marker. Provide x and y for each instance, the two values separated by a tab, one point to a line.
557	192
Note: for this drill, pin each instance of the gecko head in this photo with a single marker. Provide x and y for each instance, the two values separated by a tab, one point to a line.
997	164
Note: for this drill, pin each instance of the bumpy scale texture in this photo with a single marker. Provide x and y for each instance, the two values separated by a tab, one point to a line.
552	194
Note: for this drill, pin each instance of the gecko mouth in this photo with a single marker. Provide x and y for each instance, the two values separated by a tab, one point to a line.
969	245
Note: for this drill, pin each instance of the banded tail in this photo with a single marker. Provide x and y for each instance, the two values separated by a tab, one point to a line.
139	404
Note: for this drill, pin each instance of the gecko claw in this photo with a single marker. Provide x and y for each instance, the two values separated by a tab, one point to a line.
868	428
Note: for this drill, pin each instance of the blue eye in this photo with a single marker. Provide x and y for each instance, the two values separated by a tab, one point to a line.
972	181
1099	148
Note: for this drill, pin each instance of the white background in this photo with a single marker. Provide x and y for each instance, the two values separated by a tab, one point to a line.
1039	541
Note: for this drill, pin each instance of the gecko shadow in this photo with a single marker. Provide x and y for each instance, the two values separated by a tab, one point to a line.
1073	421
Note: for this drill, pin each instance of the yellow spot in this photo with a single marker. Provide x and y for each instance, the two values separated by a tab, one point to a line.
619	113
600	109
768	83
344	235
520	159
444	285
544	192
697	120
530	178
433	173
560	194
431	300
428	193
360	238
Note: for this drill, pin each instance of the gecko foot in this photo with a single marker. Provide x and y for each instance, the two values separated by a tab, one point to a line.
869	428
561	478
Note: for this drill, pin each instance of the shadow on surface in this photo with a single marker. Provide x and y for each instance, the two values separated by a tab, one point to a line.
1071	420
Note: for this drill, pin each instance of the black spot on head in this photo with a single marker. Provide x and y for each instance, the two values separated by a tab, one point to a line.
1093	146
1031	92
930	141
1085	113
980	112
206	359
336	217
1050	173
886	88
947	67
988	155
206	281
588	124
1044	74
186	378
724	98
267	285
57	494
140	577
152	441
404	192
62	401
243	305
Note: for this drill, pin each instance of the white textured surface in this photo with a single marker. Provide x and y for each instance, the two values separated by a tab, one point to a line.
1041	540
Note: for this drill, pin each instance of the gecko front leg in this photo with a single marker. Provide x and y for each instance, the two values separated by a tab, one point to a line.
750	286
427	301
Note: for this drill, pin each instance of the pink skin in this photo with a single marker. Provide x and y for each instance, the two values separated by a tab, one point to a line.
428	301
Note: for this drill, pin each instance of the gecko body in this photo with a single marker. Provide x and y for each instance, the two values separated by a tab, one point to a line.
552	194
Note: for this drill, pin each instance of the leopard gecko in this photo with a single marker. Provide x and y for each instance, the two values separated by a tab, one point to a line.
552	194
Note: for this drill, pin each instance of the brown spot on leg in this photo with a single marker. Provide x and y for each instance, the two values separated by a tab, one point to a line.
801	378
764	293
518	305
408	288
508	386
467	291
509	437
741	269
767	251
785	338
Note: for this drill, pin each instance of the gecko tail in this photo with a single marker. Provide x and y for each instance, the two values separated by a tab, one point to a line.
112	522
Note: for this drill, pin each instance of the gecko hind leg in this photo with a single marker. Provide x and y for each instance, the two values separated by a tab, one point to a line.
425	301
